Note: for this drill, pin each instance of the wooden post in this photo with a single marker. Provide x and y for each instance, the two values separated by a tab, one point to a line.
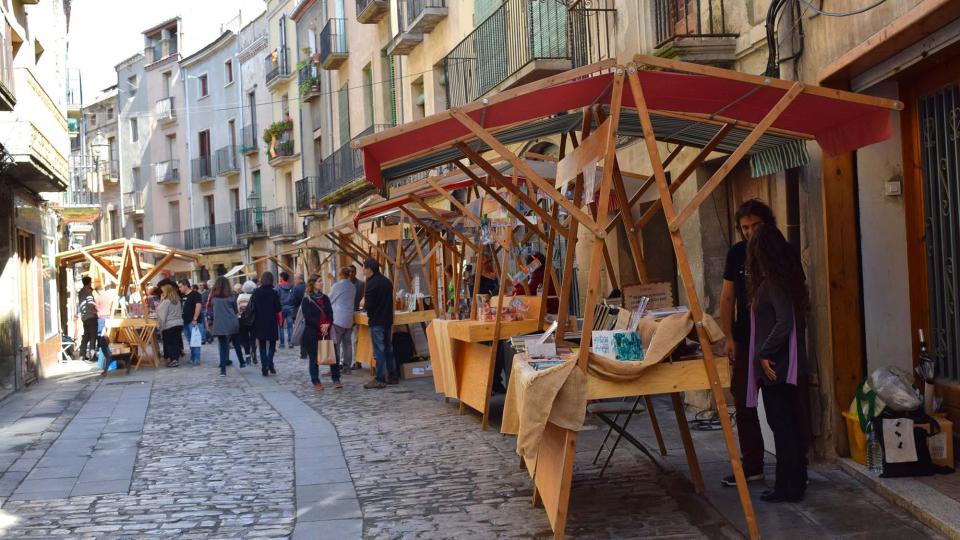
696	311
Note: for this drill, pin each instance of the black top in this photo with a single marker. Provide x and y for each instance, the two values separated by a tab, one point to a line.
359	295
311	308
735	271
378	300
266	305
190	303
775	319
490	286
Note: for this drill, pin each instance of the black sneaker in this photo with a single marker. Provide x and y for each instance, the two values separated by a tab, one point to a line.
273	370
173	363
731	481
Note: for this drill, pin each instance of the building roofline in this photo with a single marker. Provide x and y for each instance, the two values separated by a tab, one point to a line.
124	63
160	26
301	8
224	39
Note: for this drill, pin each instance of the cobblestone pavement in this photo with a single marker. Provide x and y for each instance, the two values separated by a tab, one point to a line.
216	460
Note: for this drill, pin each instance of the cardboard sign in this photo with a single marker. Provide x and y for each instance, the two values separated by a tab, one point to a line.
660	295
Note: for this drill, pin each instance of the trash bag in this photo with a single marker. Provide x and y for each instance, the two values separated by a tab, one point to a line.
895	387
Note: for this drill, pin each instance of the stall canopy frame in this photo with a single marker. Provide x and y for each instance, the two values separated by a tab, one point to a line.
733	112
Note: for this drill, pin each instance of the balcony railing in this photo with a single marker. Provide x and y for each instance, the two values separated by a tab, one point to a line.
202	168
308	80
372	11
167	171
333	43
164	110
521	40
423	15
73	198
221	235
133	202
338	170
275	65
251	222
591	29
248	140
283	148
174	239
8	95
110	169
227	162
674	19
283	222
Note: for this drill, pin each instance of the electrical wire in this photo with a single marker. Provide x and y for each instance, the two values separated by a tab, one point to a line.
842	13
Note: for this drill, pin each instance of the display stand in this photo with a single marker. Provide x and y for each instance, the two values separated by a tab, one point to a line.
739	113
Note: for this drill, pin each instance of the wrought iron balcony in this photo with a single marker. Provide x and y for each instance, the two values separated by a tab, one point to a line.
219	236
164	110
424	15
110	169
282	150
251	222
522	41
248	140
308	194
372	11
591	29
339	176
283	222
693	30
227	162
333	44
167	171
79	198
201	169
308	81
276	66
133	202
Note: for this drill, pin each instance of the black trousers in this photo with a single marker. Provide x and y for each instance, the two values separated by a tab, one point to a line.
172	342
783	415
748	423
89	336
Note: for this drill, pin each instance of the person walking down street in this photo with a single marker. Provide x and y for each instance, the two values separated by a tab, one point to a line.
247	337
285	290
106	299
226	324
191	316
378	302
87	311
170	319
296	294
342	298
318	322
205	315
266	305
735	322
778	310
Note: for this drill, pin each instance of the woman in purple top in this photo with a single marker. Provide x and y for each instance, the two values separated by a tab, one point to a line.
777	354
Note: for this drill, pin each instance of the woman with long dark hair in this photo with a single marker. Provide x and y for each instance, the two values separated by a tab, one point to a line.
317	311
226	324
779	305
266	305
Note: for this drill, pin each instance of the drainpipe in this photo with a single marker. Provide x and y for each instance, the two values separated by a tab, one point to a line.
186	108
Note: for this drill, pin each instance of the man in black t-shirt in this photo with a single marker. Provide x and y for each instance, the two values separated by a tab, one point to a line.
735	321
192	304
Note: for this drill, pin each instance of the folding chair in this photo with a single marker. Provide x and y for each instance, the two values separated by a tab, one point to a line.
603	410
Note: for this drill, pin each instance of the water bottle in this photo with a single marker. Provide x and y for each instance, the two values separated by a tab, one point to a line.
874	452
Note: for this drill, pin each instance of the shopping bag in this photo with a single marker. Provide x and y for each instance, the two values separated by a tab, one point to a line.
196	339
298	325
325	353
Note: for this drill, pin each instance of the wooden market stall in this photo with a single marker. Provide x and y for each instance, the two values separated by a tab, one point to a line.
122	263
657	101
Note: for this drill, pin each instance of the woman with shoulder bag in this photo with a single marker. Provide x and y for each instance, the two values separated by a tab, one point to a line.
318	320
226	325
170	319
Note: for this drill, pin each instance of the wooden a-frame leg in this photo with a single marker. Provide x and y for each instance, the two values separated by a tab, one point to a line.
696	311
695	475
655	424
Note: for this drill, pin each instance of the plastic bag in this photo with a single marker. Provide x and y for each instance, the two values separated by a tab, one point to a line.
895	387
196	338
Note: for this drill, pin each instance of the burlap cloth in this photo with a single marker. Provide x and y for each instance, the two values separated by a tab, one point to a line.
559	394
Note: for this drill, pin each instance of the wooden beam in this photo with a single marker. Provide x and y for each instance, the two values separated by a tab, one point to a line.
436	215
688	171
520	165
693	301
736	156
156	269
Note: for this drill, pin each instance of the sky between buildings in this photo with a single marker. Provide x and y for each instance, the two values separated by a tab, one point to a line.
105	32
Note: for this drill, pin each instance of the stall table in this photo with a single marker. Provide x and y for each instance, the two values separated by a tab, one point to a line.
139	334
364	353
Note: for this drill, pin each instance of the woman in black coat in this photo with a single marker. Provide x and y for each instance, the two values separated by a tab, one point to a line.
317	314
266	307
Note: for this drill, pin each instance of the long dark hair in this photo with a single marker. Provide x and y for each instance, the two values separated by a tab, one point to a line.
221	288
771	258
266	279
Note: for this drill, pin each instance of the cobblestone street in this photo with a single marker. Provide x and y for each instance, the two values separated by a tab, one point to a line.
249	457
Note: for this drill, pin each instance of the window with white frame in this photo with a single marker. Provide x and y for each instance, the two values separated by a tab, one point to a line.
228	72
203	86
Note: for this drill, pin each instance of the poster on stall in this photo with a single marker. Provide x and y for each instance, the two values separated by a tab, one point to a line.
659	293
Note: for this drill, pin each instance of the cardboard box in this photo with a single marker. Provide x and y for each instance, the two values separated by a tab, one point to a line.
416	370
941	444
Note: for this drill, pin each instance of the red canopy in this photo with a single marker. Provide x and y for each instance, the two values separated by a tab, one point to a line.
839	124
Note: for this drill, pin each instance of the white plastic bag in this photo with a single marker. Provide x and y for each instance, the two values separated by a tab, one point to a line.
196	339
895	387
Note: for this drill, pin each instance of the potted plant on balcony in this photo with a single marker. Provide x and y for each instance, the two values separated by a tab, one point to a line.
311	84
276	131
